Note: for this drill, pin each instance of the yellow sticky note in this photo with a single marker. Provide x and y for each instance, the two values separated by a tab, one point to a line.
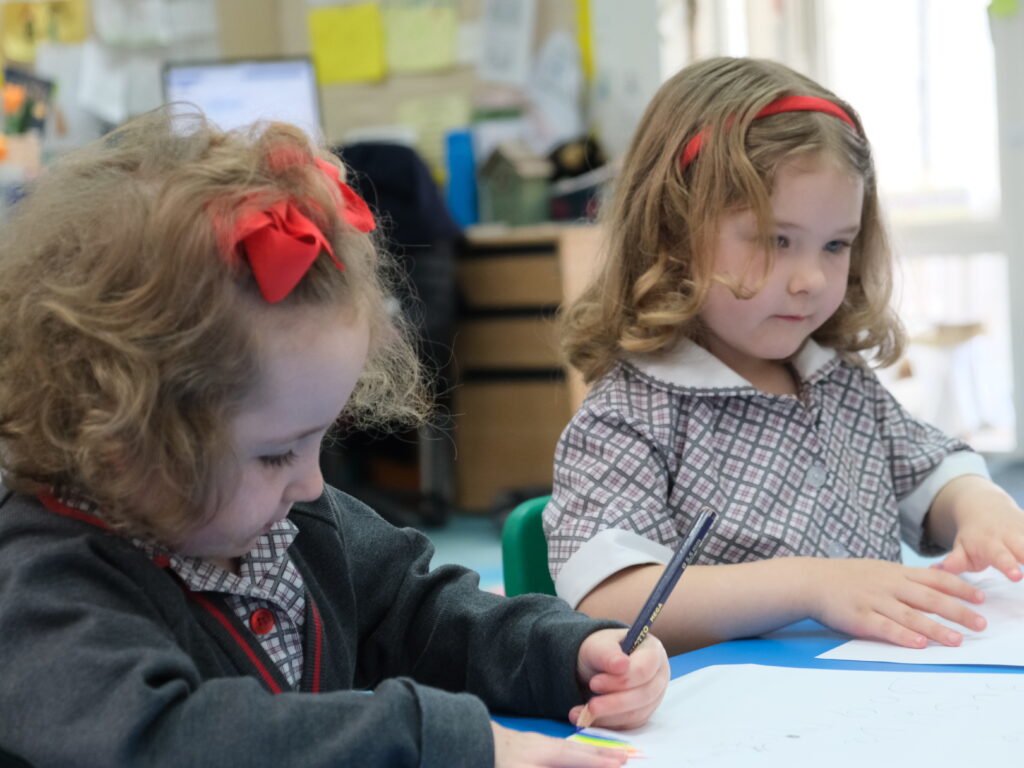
347	43
584	38
420	36
25	24
1003	8
69	20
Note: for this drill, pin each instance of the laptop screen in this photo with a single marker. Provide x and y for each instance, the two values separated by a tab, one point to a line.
236	93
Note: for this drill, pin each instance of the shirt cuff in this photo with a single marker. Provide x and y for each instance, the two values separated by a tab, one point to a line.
916	504
602	556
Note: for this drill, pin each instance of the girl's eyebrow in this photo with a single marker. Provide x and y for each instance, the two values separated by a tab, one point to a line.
300	435
849	231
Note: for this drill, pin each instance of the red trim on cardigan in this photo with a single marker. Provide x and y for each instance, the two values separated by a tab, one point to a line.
318	628
226	623
50	501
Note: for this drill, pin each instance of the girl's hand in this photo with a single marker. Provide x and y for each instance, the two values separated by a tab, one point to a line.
627	688
880	600
991	533
513	749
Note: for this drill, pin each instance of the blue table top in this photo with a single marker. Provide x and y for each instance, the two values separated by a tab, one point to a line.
793	646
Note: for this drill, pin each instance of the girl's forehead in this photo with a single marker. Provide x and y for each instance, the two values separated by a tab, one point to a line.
308	368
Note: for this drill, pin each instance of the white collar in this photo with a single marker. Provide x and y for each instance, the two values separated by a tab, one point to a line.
691	366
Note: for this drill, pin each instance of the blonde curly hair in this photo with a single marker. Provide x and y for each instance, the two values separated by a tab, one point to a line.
661	225
125	337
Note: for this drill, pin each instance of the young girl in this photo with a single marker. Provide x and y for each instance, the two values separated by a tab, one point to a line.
183	315
746	270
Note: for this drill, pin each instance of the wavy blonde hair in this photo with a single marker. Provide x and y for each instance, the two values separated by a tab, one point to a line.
661	224
125	337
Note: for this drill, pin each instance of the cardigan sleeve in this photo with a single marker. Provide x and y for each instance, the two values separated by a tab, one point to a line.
519	655
96	650
92	675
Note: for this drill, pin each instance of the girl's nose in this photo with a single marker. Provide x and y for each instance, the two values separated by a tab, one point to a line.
807	276
308	482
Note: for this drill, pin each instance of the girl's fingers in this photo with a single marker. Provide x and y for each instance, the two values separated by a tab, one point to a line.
941	581
641	671
613	707
514	749
1015	544
573	754
881	627
1005	562
920	598
956	561
923	626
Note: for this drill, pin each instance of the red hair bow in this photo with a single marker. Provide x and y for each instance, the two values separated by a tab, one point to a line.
281	243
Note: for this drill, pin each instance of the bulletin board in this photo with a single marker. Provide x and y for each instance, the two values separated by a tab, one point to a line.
425	75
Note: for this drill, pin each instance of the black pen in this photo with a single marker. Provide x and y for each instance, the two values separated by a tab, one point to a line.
686	554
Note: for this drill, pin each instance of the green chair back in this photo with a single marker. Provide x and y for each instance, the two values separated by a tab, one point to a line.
524	550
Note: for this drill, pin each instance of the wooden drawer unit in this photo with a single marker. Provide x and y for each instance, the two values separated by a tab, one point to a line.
505	436
513	399
498	342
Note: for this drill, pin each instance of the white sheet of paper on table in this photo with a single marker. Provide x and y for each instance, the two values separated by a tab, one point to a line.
1001	643
742	715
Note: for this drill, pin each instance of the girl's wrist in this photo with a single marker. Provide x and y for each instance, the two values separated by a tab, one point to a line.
805	578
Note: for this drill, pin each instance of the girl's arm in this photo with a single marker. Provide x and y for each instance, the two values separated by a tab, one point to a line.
982	525
865	598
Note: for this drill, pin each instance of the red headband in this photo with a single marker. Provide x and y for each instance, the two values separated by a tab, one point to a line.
281	243
785	104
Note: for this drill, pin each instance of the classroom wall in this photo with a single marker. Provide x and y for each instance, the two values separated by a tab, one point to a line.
627	67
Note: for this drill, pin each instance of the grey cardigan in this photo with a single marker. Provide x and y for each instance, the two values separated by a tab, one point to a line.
107	660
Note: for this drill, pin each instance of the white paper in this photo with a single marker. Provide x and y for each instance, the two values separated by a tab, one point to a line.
103	83
555	92
506	38
748	715
467	43
144	91
152	23
129	22
63	65
1000	643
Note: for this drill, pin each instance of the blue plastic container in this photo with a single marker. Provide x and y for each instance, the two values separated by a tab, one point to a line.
461	187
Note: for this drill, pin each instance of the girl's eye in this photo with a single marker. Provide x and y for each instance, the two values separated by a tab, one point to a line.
278	460
781	241
836	246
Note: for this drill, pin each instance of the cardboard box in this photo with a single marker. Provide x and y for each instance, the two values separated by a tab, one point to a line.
505	437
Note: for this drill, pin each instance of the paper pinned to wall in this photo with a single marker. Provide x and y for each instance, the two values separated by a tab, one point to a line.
420	35
467	43
1004	8
19	24
432	117
76	126
152	23
103	83
780	717
506	40
1001	642
27	24
555	93
584	38
347	43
